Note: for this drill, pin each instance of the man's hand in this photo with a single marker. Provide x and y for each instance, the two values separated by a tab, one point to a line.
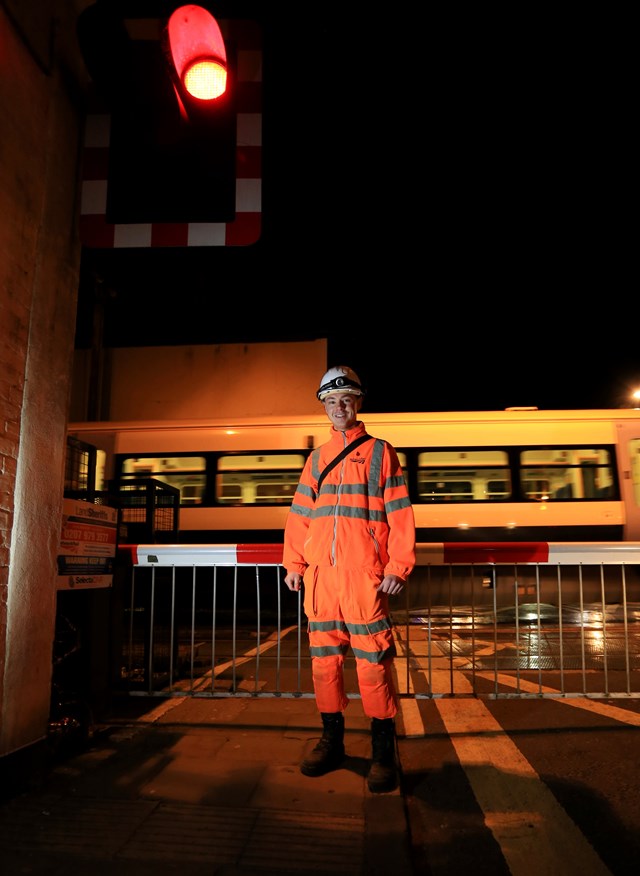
391	584
293	580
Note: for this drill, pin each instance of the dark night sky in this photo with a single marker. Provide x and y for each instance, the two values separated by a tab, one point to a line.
456	225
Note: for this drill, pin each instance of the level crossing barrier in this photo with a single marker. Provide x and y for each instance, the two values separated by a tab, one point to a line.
499	619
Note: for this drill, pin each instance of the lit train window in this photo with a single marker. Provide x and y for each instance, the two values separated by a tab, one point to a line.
446	489
186	473
264	479
634	456
402	459
463	475
550	474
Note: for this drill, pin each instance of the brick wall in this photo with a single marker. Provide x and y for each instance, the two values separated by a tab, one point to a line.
41	113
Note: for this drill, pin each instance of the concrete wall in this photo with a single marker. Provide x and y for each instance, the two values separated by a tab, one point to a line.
40	132
192	382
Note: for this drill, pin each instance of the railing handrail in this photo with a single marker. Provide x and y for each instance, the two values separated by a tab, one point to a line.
427	554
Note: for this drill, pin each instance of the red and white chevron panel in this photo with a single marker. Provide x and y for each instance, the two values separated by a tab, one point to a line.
427	554
246	228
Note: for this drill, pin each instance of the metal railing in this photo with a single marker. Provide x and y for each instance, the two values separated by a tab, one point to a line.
482	620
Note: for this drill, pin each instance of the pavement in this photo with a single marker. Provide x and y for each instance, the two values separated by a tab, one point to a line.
196	786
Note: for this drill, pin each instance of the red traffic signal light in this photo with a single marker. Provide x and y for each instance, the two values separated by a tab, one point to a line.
183	168
197	58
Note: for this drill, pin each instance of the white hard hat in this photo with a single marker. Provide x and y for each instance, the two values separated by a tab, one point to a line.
339	379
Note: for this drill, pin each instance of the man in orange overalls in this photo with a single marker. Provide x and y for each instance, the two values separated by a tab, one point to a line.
352	543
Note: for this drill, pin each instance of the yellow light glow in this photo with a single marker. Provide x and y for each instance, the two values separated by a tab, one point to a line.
206	79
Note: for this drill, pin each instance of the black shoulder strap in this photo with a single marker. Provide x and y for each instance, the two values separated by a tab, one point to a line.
342	455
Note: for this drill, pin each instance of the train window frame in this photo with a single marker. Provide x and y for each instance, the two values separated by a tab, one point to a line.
524	473
459	465
209	473
178	476
588	472
264	476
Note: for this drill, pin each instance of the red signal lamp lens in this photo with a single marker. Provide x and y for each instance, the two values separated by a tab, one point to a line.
198	52
205	79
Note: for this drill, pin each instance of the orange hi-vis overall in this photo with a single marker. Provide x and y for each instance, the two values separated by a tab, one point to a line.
359	528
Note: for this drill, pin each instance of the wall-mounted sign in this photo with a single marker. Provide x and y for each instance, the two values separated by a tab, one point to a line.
87	545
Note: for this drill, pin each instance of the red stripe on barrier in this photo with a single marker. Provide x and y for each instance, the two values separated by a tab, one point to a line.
130	551
249	162
496	552
95	163
94	228
245	230
169	234
249	97
259	553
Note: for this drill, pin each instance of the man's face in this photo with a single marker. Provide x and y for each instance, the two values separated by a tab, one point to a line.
342	409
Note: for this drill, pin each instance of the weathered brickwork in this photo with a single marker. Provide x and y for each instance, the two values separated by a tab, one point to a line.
41	117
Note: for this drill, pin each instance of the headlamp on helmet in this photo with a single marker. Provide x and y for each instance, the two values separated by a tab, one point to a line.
339	379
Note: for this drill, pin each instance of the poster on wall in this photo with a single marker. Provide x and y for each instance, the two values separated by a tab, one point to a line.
87	545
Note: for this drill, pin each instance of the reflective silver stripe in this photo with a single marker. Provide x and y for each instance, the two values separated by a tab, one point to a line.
351	489
301	511
368	629
327	626
397	504
375	656
342	511
376	467
315	459
329	650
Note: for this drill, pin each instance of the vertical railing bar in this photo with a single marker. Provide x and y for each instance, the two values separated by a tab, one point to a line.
172	630
451	684
151	623
278	628
494	588
560	630
234	629
429	632
407	636
516	608
473	628
539	629
131	621
605	656
193	629
582	635
299	656
258	632
627	663
214	594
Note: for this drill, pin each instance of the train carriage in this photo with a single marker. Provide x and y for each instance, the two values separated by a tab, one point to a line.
513	475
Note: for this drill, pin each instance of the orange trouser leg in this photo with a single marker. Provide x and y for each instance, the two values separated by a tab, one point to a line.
344	608
328	683
377	688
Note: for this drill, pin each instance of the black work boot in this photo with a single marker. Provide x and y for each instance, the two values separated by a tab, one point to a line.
383	774
329	752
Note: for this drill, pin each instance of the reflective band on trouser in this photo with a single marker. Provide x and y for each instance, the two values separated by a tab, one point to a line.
345	610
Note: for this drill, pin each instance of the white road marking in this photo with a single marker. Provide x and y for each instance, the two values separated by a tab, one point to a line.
534	832
595	706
